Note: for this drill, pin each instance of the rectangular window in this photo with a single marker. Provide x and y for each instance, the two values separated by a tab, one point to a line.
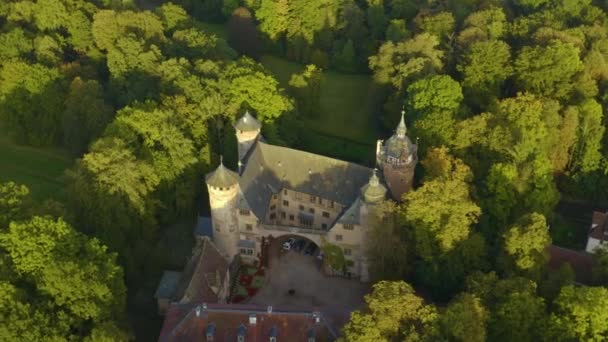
311	210
320	200
273	216
338	237
244	212
306	221
313	198
248	227
246	251
301	207
291	217
272	207
331	204
274	196
347	251
286	203
324	226
348	226
285	192
282	214
325	214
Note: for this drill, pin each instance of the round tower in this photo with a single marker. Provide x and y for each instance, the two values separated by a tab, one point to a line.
247	131
397	158
223	187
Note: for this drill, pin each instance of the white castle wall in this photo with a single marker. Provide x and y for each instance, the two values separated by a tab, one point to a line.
225	226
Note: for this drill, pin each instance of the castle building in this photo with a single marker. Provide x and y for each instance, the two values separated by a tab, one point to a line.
279	191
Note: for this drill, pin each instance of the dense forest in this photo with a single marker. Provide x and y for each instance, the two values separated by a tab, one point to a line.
505	98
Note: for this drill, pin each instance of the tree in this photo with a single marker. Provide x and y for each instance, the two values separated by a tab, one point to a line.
387	248
600	266
587	151
393	312
306	89
548	70
85	116
580	313
242	34
525	243
74	280
376	18
345	60
396	31
485	66
441	211
13	203
465	319
439	24
397	63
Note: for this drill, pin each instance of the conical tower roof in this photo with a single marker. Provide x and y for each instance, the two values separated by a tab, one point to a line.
399	144
247	123
222	177
373	191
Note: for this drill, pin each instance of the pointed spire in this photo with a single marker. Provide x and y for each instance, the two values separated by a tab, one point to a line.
222	177
401	128
374	178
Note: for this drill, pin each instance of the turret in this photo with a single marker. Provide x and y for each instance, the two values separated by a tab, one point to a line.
397	158
373	192
223	187
247	131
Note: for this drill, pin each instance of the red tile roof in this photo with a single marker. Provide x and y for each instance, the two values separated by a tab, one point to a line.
204	269
581	262
189	322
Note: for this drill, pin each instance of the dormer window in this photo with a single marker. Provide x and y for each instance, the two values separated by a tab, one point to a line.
210	332
273	334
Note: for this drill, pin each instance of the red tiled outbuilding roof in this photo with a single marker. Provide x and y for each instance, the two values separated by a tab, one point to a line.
192	322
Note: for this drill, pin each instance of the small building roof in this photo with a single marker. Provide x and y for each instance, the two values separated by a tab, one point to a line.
257	323
204	227
580	262
222	177
599	226
201	273
352	214
167	285
247	123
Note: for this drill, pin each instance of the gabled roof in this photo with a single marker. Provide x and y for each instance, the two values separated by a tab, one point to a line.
270	168
222	177
352	214
200	274
247	123
190	322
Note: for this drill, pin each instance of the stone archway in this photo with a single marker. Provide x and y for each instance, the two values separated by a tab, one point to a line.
272	246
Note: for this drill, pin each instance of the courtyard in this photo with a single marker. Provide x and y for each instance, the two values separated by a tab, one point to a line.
300	273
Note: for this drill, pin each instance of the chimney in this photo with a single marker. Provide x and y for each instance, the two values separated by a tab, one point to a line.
269	309
252	319
210	332
317	317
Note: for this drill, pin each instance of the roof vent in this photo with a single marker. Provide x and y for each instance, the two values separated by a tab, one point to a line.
269	309
210	332
273	334
252	319
241	332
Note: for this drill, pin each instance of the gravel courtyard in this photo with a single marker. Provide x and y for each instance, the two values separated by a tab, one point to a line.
299	272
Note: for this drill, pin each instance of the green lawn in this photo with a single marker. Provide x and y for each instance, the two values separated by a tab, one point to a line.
346	127
42	170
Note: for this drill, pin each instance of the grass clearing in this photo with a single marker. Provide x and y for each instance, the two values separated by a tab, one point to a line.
42	170
346	127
